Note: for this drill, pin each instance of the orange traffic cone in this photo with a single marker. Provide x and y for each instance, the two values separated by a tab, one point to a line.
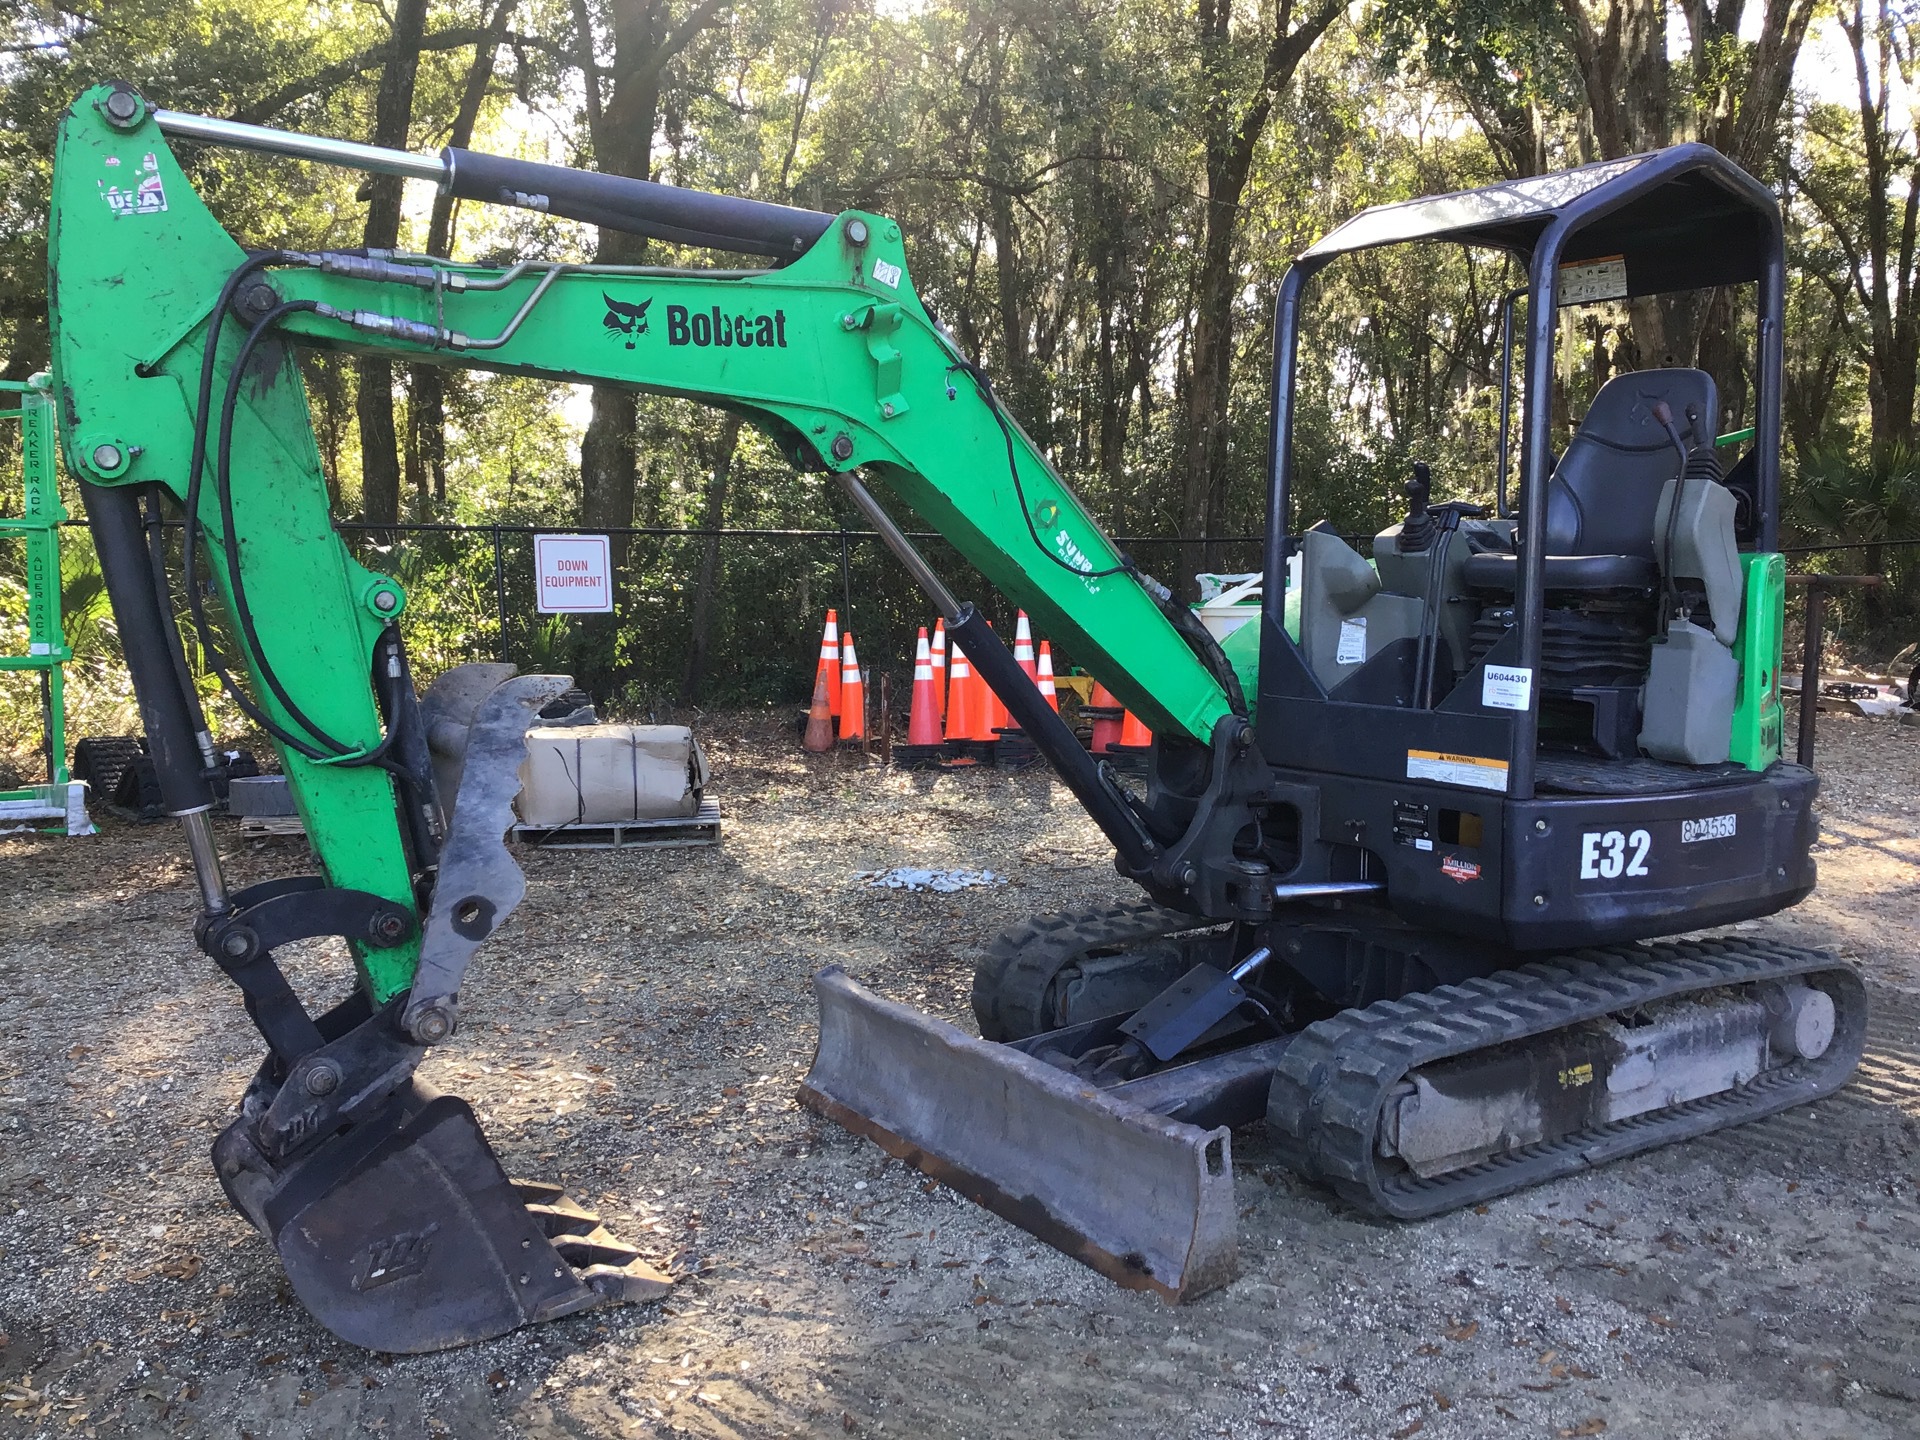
1044	677
923	722
1129	752
940	666
993	715
1023	645
819	737
853	695
1105	712
960	720
922	750
829	666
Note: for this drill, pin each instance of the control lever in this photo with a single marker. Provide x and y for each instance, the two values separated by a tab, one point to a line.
1416	532
1663	415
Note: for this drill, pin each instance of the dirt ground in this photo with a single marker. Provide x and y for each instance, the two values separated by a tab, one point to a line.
638	1029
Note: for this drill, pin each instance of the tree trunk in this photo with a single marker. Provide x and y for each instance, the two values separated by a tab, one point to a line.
694	685
427	414
393	109
1233	127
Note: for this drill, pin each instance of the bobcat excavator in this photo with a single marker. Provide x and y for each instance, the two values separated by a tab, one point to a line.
1397	861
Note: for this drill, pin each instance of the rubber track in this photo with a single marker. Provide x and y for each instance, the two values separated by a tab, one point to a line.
1333	1083
1011	979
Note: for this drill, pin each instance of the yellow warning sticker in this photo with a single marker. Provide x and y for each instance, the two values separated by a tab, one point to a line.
1574	1078
1477	771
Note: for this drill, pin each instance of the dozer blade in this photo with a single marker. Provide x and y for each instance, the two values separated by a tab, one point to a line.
403	1234
1146	1201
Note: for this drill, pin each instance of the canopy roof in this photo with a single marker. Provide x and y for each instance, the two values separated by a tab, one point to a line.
1680	218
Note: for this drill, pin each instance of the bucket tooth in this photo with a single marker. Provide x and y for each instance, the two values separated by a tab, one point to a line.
1145	1200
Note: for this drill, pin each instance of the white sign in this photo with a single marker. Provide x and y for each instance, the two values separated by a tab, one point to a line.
1587	281
574	574
1353	642
1506	687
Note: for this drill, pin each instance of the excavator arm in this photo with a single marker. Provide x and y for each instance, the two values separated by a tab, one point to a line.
180	396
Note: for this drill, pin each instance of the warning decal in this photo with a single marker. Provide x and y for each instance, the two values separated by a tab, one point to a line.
1474	771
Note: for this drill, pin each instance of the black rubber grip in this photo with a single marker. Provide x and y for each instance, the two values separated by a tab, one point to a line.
639	207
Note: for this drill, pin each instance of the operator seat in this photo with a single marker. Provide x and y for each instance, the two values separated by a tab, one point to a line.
1602	495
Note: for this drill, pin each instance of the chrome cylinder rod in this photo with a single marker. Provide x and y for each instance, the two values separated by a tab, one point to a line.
198	825
1327	889
346	153
902	548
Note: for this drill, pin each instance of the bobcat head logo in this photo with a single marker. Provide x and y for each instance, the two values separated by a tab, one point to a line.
624	319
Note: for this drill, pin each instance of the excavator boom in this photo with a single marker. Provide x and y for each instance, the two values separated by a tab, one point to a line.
180	396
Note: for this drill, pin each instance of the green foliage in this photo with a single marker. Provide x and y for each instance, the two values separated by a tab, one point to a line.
1048	168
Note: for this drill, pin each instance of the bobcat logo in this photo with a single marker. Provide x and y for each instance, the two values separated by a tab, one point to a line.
394	1258
624	319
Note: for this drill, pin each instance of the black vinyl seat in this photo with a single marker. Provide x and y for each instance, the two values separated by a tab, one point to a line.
1496	571
1603	494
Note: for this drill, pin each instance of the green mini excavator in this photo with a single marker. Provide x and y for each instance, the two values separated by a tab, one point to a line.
1398	865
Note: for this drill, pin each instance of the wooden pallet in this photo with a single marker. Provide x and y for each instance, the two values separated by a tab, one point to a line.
265	826
702	828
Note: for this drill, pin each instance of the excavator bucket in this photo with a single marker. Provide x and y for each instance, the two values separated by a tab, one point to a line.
404	1235
1145	1200
396	1224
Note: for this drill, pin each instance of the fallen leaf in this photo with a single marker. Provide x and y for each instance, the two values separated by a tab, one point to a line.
1442	1403
1586	1427
1412	1427
1463	1332
1662	1321
184	1268
1563	1305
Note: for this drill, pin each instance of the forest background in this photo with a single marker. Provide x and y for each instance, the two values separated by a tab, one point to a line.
1098	198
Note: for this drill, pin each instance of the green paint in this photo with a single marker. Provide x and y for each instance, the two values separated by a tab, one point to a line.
820	355
38	529
1757	725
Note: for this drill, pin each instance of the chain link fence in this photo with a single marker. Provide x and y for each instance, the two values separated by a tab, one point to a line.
472	591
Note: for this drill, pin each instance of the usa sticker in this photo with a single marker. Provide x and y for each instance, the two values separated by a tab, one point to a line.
146	195
887	273
1506	687
1713	827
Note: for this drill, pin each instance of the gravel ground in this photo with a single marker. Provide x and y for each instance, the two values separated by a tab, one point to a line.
637	1031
